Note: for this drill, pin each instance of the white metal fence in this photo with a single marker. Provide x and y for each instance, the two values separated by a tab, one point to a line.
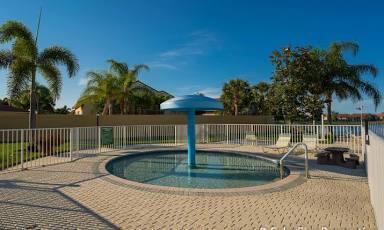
267	134
22	148
375	170
377	127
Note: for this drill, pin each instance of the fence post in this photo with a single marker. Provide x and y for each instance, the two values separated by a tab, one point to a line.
125	137
70	143
99	137
227	133
202	131
22	150
78	140
317	133
207	134
365	141
322	127
366	133
175	135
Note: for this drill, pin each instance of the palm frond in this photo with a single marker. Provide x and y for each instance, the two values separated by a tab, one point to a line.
138	68
94	90
101	85
88	98
15	30
127	80
118	67
6	58
363	68
371	91
53	77
24	50
348	46
345	90
94	77
19	77
58	55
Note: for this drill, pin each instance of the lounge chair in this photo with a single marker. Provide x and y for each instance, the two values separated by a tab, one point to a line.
282	144
312	143
251	137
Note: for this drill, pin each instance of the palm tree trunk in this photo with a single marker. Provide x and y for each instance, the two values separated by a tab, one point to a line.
110	108
328	101
329	113
122	107
236	106
32	113
32	102
105	109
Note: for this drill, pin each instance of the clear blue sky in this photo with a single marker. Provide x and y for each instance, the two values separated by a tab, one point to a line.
195	46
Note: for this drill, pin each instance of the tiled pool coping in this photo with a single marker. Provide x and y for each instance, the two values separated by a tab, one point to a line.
293	179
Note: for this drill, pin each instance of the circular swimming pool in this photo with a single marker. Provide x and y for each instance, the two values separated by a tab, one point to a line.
213	170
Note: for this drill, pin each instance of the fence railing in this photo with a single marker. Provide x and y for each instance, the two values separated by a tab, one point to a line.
26	148
23	148
375	171
377	127
267	134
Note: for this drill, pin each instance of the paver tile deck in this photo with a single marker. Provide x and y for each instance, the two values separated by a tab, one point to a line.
76	195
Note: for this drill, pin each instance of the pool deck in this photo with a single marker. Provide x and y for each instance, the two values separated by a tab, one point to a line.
77	195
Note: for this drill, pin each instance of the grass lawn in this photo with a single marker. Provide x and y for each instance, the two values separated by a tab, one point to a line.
10	153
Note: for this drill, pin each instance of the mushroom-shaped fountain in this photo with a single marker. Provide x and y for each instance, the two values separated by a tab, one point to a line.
190	104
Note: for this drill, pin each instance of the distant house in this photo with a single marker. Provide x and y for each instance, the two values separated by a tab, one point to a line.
83	109
356	116
8	108
86	109
140	84
380	116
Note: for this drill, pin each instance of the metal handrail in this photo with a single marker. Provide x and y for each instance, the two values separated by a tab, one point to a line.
289	152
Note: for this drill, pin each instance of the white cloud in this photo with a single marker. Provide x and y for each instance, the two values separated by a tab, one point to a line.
211	92
199	42
162	66
193	89
183	51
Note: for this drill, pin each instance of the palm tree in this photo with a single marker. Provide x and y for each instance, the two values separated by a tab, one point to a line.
345	80
235	95
44	100
259	93
101	86
126	77
23	61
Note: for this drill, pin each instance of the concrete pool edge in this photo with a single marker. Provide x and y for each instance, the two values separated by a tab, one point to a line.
292	180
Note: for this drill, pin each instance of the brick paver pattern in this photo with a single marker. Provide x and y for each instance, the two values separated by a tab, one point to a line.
74	196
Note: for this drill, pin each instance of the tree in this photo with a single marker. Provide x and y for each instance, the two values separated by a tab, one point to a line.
235	96
290	93
101	86
63	110
345	80
24	61
4	101
259	98
313	107
44	100
126	77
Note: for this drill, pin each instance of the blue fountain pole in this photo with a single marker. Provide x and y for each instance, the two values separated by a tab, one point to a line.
191	138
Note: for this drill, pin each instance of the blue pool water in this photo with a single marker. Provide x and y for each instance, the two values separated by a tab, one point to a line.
213	169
